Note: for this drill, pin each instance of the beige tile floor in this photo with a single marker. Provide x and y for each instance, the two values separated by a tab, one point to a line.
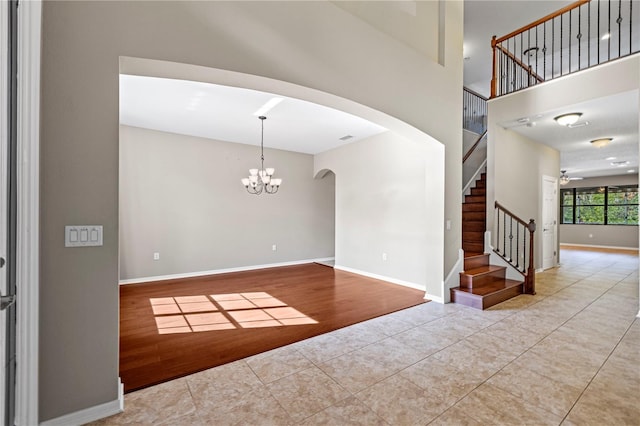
569	355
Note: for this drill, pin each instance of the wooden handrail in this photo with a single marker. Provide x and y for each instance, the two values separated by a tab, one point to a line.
475	145
519	62
542	20
473	92
504	209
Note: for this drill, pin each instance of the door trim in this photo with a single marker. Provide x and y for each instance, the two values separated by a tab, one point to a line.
28	232
556	248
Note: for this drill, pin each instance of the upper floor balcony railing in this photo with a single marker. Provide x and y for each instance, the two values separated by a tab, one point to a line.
579	36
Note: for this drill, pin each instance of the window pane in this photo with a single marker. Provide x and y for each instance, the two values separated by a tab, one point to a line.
622	215
623	195
590	214
566	197
567	214
590	196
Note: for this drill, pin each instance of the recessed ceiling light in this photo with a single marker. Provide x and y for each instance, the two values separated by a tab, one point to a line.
264	109
631	171
601	142
610	158
523	120
605	36
568	119
346	137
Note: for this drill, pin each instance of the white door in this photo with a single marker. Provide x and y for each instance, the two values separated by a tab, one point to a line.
549	221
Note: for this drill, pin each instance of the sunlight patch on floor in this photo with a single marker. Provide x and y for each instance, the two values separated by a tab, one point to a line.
188	314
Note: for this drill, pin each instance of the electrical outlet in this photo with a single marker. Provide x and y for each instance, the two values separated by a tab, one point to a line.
274	247
156	256
384	257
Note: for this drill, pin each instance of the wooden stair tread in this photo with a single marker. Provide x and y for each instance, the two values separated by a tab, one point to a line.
472	254
484	270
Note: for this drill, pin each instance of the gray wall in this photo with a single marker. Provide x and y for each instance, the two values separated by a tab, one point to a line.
601	235
311	44
181	196
384	194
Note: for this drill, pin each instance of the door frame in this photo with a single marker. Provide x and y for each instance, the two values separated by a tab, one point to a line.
4	145
555	202
28	226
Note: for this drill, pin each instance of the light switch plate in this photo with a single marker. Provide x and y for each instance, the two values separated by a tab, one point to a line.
83	235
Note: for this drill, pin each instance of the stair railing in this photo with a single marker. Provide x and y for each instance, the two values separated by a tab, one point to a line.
579	36
474	111
514	244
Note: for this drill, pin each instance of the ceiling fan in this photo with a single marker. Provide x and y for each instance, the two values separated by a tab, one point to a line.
565	179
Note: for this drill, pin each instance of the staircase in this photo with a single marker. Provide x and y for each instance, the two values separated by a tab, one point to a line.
482	285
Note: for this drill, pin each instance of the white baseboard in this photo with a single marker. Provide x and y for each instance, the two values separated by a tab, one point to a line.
380	277
221	271
597	246
434	298
91	414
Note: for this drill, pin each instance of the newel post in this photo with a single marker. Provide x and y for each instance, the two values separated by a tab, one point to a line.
493	75
530	285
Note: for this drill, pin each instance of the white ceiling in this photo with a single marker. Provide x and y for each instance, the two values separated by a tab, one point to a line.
227	114
614	116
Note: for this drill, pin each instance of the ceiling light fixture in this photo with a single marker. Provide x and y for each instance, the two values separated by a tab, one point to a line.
605	36
568	119
619	163
565	179
601	142
262	179
610	158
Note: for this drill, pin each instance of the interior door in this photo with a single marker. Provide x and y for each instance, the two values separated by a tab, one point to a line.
8	188
549	221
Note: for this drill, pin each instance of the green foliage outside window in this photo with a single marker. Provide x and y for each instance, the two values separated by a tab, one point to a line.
614	205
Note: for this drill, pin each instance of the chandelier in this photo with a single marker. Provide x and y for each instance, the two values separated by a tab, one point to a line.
261	180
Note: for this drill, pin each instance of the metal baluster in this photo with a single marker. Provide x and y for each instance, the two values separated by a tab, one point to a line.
553	46
538	46
544	51
528	58
619	21
598	38
561	31
511	239
579	35
589	34
524	250
504	233
517	245
569	40
609	32
497	213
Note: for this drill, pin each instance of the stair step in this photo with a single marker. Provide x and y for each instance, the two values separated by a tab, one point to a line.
473	225
474	216
472	247
475	260
482	276
478	191
475	199
480	184
473	207
487	296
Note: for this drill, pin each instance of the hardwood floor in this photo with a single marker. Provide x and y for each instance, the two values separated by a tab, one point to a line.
173	328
